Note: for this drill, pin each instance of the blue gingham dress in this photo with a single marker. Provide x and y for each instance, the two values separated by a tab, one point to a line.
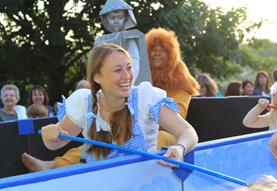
144	104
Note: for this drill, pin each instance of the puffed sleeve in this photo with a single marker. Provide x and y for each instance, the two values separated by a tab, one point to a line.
76	107
151	100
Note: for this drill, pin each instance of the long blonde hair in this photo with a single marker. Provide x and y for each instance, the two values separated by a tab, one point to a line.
120	121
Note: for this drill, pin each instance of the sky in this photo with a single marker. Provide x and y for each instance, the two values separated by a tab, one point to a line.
257	10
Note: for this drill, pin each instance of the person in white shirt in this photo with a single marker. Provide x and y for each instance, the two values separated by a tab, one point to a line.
10	97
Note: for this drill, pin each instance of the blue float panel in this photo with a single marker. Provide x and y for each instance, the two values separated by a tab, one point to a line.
134	175
245	157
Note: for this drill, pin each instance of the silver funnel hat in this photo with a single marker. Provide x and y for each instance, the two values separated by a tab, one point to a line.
115	5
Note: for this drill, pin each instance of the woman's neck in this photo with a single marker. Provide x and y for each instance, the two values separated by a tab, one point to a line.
9	109
111	104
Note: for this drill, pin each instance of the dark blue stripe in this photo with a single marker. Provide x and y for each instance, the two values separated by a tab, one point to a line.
25	127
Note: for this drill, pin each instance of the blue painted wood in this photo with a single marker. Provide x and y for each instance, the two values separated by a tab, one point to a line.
154	156
103	175
245	157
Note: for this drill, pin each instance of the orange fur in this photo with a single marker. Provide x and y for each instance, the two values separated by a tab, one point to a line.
175	74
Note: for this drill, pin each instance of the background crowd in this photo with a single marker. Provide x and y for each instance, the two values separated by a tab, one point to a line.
38	99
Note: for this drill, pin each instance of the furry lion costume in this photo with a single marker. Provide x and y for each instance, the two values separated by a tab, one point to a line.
175	74
172	76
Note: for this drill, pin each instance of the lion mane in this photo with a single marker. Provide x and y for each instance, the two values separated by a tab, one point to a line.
174	75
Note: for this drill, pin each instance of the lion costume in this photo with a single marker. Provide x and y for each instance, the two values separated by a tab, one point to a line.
173	76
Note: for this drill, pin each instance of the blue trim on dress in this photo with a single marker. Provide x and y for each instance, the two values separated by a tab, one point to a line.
61	109
136	141
155	110
91	116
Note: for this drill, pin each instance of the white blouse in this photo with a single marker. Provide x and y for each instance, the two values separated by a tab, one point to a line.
147	97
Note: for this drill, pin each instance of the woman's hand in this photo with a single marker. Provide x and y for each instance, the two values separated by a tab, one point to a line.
175	152
50	136
263	103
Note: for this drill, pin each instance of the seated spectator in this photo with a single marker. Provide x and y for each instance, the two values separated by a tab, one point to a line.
33	164
38	95
234	89
262	84
247	88
72	156
208	87
37	111
10	96
82	84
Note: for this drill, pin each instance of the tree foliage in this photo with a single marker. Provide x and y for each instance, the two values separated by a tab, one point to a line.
259	55
46	41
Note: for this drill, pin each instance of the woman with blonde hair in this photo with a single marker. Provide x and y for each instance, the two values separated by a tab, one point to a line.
115	111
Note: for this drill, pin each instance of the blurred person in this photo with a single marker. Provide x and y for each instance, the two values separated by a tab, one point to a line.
247	88
262	84
32	163
38	95
170	73
208	87
82	84
37	111
234	89
10	96
72	156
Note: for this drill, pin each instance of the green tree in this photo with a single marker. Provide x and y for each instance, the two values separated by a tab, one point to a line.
46	41
259	54
210	38
43	39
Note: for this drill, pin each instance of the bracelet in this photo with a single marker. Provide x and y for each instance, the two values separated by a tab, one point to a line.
184	148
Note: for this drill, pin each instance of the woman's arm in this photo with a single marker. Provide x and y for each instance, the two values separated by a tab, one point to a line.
51	132
253	119
180	128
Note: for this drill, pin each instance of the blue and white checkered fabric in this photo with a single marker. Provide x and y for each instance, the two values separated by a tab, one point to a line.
91	116
137	141
155	110
61	109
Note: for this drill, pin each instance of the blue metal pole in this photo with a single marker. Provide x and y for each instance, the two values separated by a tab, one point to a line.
158	157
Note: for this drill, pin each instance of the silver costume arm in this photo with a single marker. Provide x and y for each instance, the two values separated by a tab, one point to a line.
132	48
